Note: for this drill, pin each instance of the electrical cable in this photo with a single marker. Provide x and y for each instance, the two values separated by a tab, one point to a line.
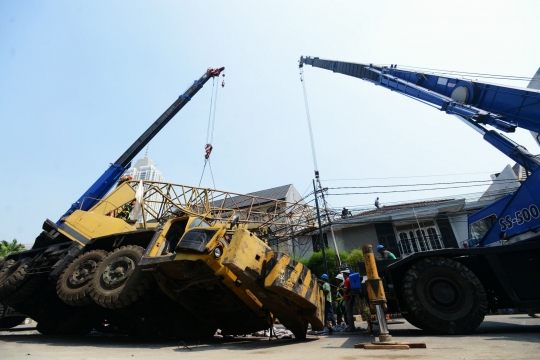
410	177
422	202
466	196
410	190
426	184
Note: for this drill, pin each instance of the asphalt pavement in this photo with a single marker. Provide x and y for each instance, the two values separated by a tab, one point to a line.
499	337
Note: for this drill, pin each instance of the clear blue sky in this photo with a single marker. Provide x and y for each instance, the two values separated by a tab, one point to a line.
81	80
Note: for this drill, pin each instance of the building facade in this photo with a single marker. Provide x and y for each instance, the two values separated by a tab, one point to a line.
144	169
408	228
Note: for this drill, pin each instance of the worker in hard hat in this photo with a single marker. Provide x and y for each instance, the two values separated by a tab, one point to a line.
385	253
329	319
340	309
348	300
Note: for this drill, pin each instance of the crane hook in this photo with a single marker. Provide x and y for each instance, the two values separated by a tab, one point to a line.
208	149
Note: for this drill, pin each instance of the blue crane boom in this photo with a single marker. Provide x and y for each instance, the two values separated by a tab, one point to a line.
478	104
503	107
109	178
514	216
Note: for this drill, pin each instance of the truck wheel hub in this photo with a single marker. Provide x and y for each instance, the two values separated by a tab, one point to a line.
444	295
118	271
81	274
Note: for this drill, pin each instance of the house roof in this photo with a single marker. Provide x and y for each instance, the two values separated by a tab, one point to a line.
390	208
520	171
277	193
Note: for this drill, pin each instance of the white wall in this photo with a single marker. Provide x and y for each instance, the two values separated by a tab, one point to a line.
459	226
355	237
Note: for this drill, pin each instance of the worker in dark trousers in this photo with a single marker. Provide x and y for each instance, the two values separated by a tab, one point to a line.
348	299
340	309
385	253
328	308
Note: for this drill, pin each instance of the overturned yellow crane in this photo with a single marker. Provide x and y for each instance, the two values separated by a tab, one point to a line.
193	260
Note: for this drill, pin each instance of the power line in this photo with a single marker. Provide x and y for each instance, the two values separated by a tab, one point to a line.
401	191
464	196
505	181
409	177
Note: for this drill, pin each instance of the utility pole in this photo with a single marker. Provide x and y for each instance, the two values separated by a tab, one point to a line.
328	218
320	230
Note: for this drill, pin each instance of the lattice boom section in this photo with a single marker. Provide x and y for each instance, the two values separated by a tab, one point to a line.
273	217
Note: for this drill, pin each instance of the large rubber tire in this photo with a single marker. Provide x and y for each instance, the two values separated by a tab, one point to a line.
5	269
7	322
11	322
73	285
33	284
118	281
411	319
443	296
12	277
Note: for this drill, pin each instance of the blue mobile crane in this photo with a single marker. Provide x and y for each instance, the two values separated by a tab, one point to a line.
53	250
449	291
109	178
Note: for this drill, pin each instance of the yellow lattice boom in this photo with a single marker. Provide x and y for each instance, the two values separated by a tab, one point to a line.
276	218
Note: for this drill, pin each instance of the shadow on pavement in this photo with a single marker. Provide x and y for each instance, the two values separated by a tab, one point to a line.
239	343
119	341
501	331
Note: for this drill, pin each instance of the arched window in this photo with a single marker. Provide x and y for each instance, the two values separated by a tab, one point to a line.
434	239
421	235
413	240
404	245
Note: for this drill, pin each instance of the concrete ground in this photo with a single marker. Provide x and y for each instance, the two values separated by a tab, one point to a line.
499	337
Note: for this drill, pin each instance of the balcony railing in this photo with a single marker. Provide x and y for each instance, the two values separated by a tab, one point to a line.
422	243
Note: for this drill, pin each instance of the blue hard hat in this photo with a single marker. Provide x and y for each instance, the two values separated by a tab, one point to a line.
379	247
324	276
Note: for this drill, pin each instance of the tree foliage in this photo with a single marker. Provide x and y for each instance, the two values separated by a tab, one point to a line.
315	261
7	248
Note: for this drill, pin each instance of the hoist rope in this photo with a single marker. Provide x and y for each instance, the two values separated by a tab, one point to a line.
325	204
213	117
211	173
210	129
309	120
202	173
210	111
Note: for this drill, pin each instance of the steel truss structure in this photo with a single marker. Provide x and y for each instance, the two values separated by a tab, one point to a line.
269	218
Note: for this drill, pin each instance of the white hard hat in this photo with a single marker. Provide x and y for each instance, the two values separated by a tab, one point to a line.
346	271
339	277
